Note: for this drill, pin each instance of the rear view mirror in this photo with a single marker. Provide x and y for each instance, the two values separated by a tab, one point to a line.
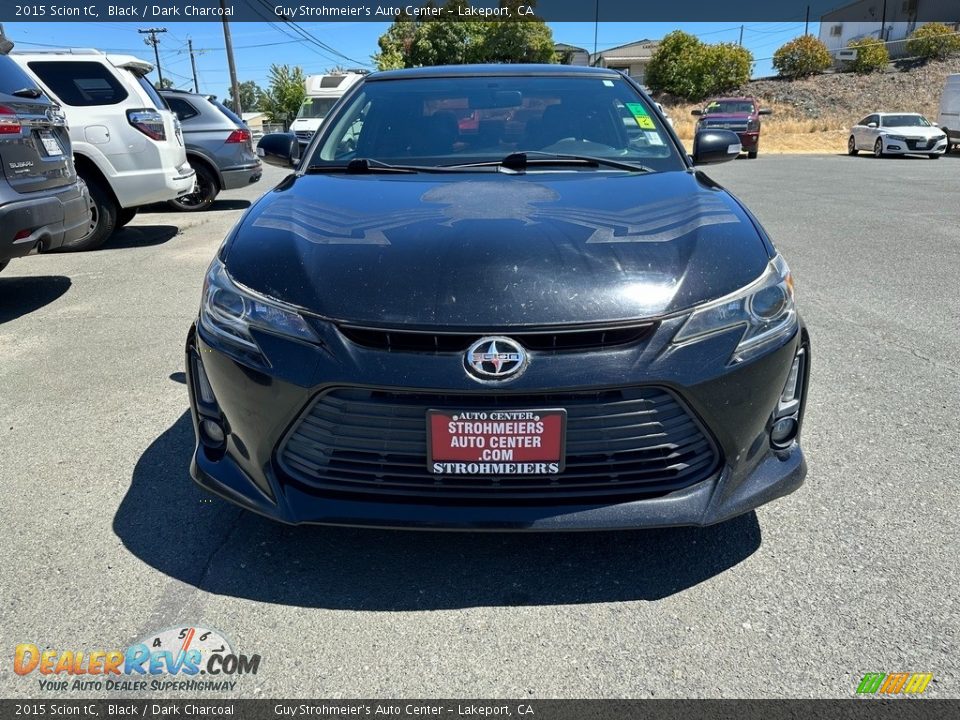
280	149
765	111
715	146
696	112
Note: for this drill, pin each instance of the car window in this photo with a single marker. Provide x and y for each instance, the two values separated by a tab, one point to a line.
729	107
864	121
875	119
181	108
904	121
316	107
226	111
446	121
155	98
80	83
12	77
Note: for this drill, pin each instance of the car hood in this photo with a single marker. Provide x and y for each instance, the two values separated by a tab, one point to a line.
913	131
489	250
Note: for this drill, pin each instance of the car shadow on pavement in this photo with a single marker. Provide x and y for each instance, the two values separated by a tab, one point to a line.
134	236
22	295
221	204
167	521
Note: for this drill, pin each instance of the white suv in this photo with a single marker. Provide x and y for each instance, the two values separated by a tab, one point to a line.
127	145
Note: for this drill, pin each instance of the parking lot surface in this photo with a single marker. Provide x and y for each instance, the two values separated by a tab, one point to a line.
106	538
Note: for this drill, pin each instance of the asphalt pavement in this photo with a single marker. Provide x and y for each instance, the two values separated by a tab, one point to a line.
105	538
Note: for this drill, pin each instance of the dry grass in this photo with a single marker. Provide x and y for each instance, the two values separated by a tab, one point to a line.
785	131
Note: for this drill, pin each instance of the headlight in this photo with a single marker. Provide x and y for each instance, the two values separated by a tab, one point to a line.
901	138
765	309
753	125
228	311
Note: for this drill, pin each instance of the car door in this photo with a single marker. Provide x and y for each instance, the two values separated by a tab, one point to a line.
857	132
871	133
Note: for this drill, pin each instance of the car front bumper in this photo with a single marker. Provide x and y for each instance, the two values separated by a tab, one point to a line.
900	147
259	408
749	141
48	221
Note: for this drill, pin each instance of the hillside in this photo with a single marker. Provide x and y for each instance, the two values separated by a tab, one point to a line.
814	114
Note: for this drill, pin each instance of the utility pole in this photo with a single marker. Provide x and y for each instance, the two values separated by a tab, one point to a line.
596	27
806	22
193	65
740	41
883	22
234	85
152	40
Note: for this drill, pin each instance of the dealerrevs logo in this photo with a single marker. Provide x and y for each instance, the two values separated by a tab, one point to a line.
188	658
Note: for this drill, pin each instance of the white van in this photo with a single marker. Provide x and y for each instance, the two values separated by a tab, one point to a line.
127	145
949	119
323	91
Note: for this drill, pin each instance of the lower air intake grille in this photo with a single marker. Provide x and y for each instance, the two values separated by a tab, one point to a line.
636	442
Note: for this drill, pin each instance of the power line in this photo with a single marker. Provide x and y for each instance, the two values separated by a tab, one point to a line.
153	32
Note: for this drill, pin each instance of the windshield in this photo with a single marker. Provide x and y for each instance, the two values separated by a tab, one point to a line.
729	107
903	121
316	107
449	121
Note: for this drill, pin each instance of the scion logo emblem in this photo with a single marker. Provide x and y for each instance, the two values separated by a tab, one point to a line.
495	358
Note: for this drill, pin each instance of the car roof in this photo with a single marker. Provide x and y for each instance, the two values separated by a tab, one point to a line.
503	70
897	113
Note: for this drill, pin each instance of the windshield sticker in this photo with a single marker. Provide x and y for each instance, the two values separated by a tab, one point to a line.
608	83
653	137
639	113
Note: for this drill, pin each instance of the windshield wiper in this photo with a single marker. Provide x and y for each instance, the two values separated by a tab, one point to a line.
27	92
365	166
522	160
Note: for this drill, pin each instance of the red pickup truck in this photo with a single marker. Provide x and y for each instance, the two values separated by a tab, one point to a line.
739	114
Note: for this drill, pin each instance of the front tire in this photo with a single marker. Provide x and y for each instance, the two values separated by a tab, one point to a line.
125	215
852	146
201	198
103	219
934	156
878	148
752	154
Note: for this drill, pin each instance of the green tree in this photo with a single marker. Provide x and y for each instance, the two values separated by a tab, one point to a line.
285	95
872	55
251	97
933	41
450	39
802	57
688	68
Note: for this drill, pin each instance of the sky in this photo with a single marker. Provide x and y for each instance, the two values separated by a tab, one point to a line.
258	45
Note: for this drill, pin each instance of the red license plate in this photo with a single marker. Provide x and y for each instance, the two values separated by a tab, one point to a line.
496	442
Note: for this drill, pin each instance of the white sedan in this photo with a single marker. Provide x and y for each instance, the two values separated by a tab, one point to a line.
897	134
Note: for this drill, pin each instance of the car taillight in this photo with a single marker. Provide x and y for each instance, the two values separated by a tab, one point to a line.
149	122
9	122
239	136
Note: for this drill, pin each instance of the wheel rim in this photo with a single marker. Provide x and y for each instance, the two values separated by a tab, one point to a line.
878	148
851	145
201	196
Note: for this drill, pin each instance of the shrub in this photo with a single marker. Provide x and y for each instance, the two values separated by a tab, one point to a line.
933	41
802	57
872	55
687	68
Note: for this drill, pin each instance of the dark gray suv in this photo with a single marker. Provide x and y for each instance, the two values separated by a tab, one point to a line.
219	147
43	205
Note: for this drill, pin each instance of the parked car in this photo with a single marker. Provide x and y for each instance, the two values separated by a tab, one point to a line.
664	113
949	117
739	114
547	324
43	204
897	134
127	145
219	147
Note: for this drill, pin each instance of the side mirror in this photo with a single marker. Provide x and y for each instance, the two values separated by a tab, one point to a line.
280	149
696	112
715	146
765	111
871	125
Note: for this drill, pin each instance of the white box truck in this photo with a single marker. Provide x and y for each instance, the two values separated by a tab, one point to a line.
323	91
949	118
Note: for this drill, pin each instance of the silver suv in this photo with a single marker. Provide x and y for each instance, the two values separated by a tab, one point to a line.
43	205
219	147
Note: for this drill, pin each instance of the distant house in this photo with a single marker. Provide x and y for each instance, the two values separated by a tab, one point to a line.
631	58
571	54
255	121
891	21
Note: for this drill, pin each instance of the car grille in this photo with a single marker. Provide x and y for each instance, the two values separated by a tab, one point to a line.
541	341
636	442
919	144
734	125
304	134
